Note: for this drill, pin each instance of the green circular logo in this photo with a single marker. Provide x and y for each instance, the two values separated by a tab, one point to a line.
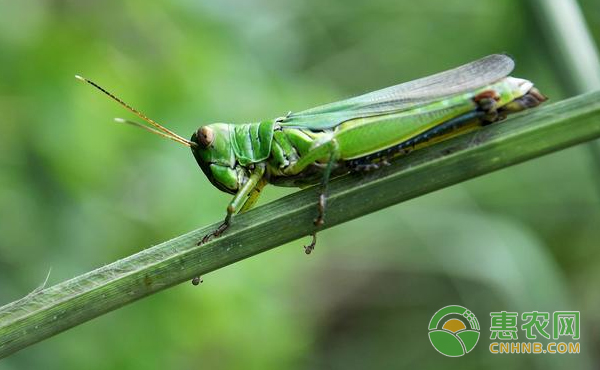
454	331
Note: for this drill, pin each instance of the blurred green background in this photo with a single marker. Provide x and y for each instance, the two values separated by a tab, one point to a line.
78	192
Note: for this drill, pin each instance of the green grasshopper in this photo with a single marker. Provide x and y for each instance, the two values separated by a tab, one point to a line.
358	134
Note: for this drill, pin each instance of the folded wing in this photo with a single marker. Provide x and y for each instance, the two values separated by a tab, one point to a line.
406	95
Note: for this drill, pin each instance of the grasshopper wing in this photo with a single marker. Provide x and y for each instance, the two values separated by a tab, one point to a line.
405	96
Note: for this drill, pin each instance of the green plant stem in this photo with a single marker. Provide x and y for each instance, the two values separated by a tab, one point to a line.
49	311
571	45
574	53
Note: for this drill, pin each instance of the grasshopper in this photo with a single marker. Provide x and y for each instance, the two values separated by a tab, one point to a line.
358	134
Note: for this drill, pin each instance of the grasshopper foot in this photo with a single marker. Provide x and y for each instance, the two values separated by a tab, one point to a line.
214	234
311	247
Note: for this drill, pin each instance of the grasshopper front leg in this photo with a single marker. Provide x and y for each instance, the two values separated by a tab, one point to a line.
243	200
246	197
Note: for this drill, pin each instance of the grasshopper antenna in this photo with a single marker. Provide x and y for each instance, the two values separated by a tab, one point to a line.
160	130
150	129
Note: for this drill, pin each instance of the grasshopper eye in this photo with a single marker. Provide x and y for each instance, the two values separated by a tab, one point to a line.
205	136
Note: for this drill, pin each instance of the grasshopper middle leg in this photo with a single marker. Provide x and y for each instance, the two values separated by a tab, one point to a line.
327	149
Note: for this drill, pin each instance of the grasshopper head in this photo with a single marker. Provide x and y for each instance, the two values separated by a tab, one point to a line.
214	153
210	144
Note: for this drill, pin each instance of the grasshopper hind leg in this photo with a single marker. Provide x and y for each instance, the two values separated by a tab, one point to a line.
487	102
487	112
532	99
377	160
